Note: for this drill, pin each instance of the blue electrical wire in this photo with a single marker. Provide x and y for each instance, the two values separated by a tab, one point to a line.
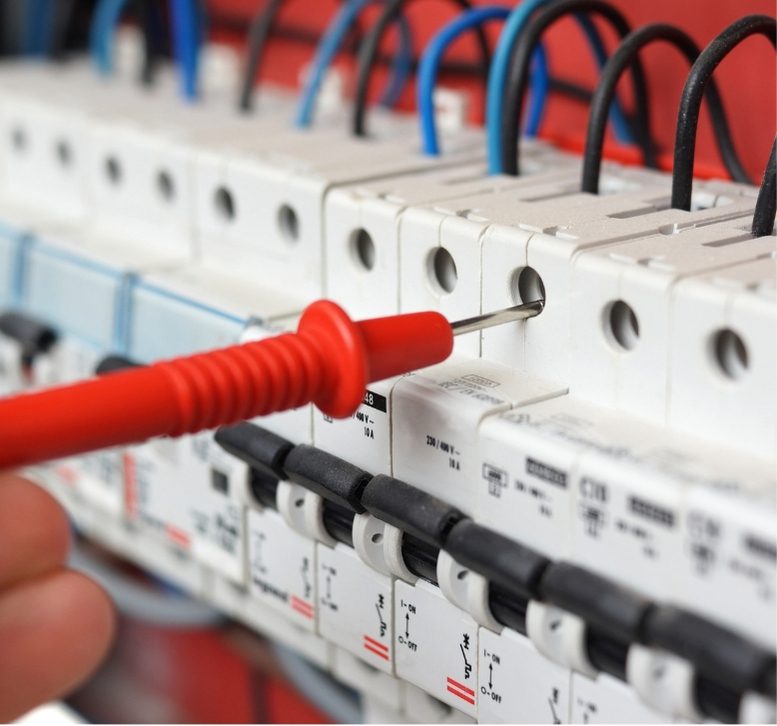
38	26
104	21
327	49
187	28
430	63
401	67
540	88
500	68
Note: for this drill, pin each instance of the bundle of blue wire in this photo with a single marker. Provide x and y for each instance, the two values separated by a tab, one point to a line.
330	44
187	25
430	64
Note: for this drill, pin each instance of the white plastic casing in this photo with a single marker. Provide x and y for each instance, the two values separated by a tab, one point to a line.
624	362
363	222
527	461
436	416
607	700
355	606
518	684
729	568
436	645
281	567
363	439
717	388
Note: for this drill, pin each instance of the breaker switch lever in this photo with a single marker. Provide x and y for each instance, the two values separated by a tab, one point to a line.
329	361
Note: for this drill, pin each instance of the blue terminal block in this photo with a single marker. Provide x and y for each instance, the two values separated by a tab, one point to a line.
161	323
13	244
82	298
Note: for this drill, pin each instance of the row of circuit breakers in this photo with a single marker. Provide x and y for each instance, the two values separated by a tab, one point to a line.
573	519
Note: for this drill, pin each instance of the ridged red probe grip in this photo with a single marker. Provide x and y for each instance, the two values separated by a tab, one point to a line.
329	362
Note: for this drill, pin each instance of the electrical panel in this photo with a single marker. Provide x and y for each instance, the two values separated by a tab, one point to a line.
571	520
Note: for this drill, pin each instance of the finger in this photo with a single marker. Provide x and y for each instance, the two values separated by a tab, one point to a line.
34	532
54	632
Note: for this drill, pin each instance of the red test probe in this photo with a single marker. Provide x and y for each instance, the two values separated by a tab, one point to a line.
329	361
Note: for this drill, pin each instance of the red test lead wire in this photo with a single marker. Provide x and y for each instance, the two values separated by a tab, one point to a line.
329	361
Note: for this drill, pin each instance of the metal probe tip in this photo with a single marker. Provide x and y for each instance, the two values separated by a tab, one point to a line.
524	311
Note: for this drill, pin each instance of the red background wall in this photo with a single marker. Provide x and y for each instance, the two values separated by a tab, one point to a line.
747	77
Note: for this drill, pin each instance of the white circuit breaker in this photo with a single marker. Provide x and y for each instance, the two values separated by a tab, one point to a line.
627	433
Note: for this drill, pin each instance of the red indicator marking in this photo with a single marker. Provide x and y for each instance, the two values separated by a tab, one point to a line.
68	474
130	485
302	607
177	536
463	692
376	647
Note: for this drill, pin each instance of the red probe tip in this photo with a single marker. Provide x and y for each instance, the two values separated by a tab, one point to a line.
371	350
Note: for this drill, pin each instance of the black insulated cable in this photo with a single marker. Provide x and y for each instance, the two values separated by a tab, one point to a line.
296	34
620	60
519	77
262	26
113	364
259	32
33	336
151	22
766	204
62	22
693	91
368	53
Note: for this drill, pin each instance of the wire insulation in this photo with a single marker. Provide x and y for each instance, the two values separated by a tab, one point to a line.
428	70
330	45
369	50
187	30
500	69
620	60
515	91
766	204
693	92
104	21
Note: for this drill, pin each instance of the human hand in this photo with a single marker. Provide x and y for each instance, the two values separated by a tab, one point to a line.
55	624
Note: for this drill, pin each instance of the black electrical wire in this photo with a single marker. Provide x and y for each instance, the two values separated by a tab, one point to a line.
305	36
766	204
149	15
63	19
259	32
620	60
521	63
369	50
262	26
690	102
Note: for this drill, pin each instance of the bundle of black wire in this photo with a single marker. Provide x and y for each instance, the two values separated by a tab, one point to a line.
519	76
620	60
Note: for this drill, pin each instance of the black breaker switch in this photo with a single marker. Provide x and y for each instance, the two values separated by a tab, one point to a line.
425	521
615	615
263	451
513	570
33	336
718	654
338	482
333	478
